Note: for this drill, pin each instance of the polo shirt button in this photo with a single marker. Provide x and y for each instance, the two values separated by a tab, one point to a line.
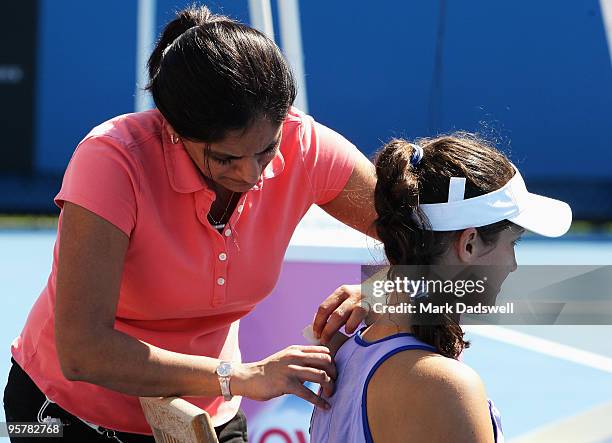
240	208
228	232
220	281
223	256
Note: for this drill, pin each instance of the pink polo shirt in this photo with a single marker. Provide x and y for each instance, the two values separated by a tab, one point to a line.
184	286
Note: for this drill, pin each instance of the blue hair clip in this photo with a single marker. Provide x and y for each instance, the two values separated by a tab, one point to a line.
417	155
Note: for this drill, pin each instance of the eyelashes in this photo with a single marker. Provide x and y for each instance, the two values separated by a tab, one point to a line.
227	161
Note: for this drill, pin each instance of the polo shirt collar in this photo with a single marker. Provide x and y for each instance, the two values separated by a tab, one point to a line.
185	176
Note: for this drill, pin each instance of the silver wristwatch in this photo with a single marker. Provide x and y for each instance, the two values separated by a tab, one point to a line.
224	372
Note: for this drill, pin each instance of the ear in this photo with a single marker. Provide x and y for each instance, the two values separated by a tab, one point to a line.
467	245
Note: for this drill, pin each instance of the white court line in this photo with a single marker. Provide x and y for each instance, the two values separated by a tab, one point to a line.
542	346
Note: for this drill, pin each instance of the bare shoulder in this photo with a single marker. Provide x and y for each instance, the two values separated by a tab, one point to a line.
443	374
444	399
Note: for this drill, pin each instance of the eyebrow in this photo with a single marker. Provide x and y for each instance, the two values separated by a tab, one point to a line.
233	157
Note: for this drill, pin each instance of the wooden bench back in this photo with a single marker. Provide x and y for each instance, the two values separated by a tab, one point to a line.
174	420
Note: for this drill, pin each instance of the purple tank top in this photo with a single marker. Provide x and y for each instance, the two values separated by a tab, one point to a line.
357	360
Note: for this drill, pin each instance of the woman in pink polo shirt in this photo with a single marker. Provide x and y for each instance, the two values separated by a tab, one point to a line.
173	226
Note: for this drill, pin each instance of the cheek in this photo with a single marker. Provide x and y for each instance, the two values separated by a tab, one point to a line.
502	256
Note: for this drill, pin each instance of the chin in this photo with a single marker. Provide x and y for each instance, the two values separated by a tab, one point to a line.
240	188
233	185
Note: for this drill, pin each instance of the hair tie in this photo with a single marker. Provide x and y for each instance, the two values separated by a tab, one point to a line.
417	155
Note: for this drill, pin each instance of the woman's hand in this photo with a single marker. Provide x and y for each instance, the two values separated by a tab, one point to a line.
285	372
343	307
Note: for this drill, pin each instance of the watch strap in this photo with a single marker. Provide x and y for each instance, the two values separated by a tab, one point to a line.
225	388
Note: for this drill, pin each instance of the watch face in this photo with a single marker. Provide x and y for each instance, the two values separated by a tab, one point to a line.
224	369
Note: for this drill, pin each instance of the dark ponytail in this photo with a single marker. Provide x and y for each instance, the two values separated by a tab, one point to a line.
210	74
401	187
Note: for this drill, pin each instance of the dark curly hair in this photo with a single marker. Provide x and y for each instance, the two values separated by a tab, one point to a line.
401	187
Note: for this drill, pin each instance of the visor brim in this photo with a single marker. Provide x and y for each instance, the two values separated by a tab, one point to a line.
544	216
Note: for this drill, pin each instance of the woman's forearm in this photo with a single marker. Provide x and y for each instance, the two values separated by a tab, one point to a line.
122	363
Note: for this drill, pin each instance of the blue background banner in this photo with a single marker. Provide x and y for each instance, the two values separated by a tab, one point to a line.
534	77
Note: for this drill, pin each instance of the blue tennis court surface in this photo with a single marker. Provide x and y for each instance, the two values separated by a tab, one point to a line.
547	381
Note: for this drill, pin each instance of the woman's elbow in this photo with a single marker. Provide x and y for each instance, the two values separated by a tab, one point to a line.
73	358
71	367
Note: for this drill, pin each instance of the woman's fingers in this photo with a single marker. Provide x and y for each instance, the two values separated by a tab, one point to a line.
278	374
318	357
343	308
337	319
316	376
303	392
358	314
311	348
318	360
329	305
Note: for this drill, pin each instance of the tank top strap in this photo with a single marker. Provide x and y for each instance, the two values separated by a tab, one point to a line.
496	422
377	353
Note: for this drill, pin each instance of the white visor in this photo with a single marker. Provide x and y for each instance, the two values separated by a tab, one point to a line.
542	215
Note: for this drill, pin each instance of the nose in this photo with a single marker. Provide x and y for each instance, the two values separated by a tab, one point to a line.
514	265
248	170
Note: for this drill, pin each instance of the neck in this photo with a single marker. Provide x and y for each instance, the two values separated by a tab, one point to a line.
393	323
